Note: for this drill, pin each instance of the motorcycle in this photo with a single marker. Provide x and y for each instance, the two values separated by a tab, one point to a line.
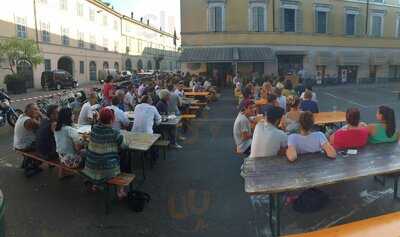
7	112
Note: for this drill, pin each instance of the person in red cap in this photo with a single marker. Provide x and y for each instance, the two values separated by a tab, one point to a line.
102	158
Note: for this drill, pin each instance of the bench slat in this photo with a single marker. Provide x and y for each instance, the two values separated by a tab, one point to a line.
386	226
123	179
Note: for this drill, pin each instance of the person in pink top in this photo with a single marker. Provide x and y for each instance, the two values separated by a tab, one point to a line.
353	135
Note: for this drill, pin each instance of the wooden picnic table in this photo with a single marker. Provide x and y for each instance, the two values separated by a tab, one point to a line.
139	141
194	94
276	175
169	122
187	89
324	118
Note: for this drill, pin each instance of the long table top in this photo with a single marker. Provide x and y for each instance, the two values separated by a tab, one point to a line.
277	174
140	141
323	118
191	94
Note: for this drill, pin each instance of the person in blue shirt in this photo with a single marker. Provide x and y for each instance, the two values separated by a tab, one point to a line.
307	104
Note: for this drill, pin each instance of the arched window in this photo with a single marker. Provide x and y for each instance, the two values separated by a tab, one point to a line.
116	66
149	65
140	64
105	65
128	65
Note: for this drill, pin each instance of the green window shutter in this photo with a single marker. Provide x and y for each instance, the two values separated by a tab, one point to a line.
360	25
254	26
211	19
261	19
315	21
299	20
282	20
331	23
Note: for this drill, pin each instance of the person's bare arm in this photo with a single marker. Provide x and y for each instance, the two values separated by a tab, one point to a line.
329	150
371	129
291	153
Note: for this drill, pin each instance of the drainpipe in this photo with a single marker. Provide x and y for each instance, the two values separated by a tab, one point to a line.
273	15
366	21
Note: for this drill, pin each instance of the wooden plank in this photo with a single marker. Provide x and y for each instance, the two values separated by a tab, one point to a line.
123	179
192	94
386	225
277	174
188	116
323	118
139	141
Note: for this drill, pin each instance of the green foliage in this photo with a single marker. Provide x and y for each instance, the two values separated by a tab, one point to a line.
14	49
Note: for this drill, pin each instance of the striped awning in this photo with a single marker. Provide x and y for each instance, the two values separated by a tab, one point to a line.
228	54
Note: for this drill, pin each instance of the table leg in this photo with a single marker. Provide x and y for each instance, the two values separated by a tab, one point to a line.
143	164
274	218
395	188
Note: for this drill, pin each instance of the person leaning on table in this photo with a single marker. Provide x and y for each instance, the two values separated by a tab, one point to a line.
384	131
307	141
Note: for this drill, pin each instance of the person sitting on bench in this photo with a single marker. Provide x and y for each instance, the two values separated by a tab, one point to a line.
385	130
352	136
102	158
24	136
45	141
68	143
308	141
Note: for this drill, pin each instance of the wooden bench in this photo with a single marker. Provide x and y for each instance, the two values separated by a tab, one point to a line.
386	226
201	104
122	179
188	116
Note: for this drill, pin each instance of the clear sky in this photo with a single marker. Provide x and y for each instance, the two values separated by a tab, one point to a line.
150	9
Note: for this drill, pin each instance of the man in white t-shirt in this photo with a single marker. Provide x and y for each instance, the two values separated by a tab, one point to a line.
145	116
121	119
242	132
88	111
268	140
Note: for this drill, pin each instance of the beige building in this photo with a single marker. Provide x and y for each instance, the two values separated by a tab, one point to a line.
84	37
351	40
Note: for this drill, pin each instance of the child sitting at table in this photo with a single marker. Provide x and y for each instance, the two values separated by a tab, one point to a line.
308	141
353	135
385	130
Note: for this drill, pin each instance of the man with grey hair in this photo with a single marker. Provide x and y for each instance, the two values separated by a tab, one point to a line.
162	107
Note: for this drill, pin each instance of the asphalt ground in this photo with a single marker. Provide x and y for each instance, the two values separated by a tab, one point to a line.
197	191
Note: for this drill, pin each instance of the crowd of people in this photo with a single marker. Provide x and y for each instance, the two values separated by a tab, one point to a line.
54	135
277	119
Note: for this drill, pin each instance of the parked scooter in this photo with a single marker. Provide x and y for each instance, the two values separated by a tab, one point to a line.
7	112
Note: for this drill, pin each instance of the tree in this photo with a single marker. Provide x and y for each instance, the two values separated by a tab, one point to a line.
13	50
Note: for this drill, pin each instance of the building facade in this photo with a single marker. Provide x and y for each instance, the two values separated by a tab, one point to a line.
350	40
84	37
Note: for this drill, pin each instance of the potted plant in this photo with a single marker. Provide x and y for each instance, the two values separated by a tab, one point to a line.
16	51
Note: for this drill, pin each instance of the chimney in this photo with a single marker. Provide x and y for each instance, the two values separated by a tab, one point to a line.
132	15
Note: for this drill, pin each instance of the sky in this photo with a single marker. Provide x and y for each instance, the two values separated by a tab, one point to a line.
150	9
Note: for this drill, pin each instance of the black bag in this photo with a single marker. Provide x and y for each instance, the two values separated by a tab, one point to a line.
137	200
311	200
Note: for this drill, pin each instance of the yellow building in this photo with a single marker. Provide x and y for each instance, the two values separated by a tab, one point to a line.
84	37
352	40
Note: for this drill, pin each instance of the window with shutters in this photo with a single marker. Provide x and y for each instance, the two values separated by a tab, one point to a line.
376	25
216	16
47	64
397	31
65	36
321	18
45	31
81	67
92	40
91	15
79	9
81	40
350	24
289	19
21	27
258	18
